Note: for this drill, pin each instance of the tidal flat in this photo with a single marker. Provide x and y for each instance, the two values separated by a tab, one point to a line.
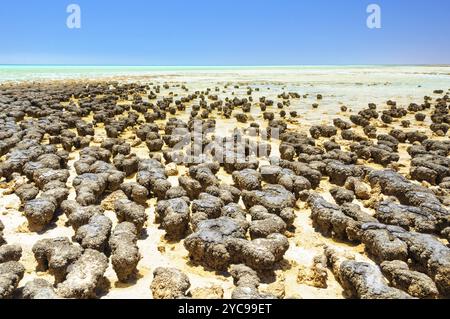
313	182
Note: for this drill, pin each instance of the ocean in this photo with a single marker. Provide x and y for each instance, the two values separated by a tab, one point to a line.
419	74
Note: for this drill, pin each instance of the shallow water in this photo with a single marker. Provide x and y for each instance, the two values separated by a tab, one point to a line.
353	86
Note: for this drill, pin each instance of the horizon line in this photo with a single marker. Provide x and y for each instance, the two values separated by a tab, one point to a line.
220	66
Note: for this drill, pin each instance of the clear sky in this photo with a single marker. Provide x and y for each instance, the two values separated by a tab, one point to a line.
224	32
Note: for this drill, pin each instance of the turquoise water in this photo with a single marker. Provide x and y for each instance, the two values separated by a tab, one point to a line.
54	72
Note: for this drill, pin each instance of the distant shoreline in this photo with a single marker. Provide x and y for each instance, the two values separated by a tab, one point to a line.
350	74
219	66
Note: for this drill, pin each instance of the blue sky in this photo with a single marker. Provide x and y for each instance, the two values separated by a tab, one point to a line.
224	32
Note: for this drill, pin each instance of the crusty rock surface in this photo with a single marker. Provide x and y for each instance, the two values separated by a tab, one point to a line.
11	273
95	234
206	207
247	179
264	224
84	276
78	215
208	245
360	279
261	253
135	192
10	253
415	283
247	282
124	250
56	255
381	244
430	255
129	211
174	216
39	289
39	212
274	198
169	283
329	219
